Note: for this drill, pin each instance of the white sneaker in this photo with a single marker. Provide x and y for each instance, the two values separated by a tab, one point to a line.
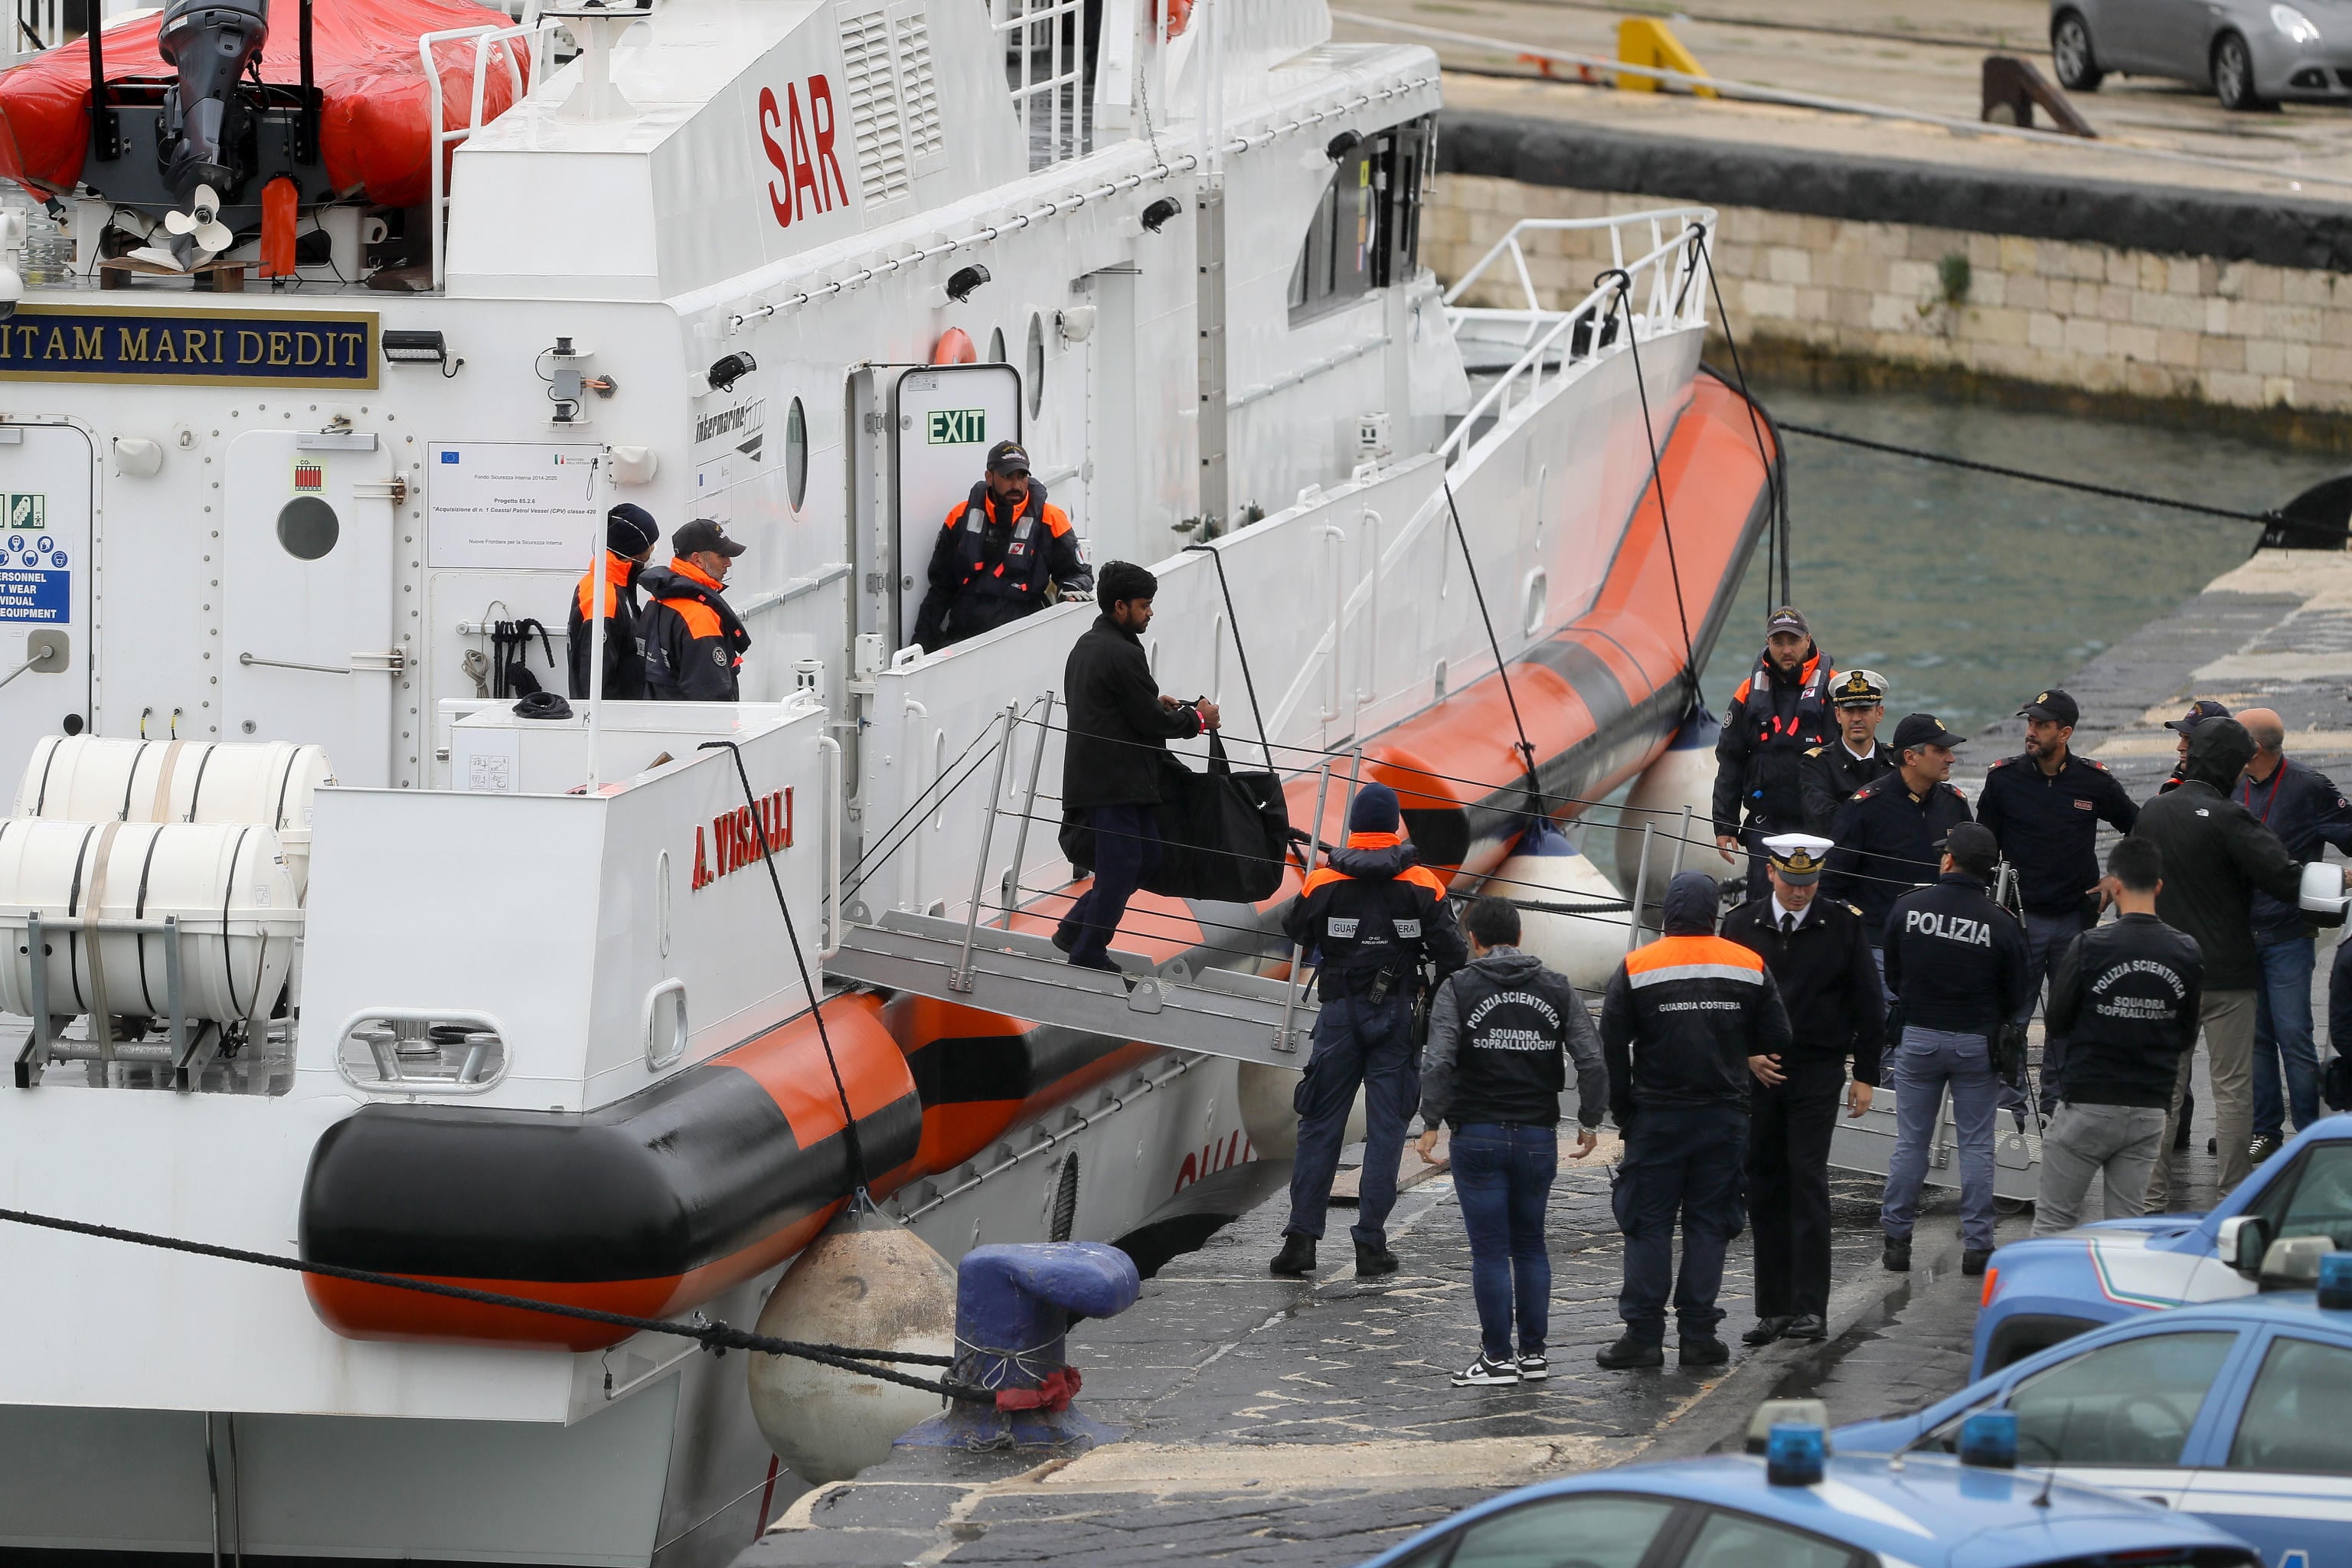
1534	1369
1486	1373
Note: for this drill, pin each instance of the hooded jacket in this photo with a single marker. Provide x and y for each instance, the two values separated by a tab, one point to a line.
694	644
1773	719
1683	1015
1373	908
1498	1028
2216	854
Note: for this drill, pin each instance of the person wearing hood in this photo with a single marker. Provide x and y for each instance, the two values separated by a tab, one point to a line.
630	535
1684	1022
1500	1033
1779	712
1365	920
694	644
2217	857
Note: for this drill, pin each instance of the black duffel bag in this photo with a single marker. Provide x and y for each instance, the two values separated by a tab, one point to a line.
1224	835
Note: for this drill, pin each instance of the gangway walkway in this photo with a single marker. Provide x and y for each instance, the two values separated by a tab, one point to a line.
1216	1012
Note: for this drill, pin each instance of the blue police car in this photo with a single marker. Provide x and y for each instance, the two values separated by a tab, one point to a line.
2238	1412
1794	1508
2040	1292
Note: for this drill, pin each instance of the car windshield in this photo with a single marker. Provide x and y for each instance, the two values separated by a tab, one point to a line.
2314	1198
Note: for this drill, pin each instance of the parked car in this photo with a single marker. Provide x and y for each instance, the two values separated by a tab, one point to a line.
2251	53
1728	1511
2041	1290
2235	1412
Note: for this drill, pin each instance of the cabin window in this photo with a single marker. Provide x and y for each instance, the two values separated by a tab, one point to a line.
1033	364
796	454
996	345
306	528
1365	233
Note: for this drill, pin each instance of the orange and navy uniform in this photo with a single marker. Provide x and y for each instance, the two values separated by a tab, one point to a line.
1772	722
991	566
1374	910
694	644
1679	1020
624	649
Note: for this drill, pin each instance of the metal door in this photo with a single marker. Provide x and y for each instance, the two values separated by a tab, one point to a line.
306	627
943	419
45	585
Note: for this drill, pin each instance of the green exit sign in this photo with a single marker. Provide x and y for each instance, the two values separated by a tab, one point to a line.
956	427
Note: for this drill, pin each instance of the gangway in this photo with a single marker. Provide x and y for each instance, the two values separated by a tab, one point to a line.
1216	1012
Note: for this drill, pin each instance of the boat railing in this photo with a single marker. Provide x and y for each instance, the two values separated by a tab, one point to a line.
491	44
1660	295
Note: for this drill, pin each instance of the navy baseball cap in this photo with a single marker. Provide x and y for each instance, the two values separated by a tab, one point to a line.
1924	730
703	534
2204	708
1007	457
2053	705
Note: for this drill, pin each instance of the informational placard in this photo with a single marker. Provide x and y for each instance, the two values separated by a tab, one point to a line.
36	573
522	506
200	348
948	417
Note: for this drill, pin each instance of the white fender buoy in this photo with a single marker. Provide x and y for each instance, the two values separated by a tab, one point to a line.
1683	775
1268	1113
1548	869
868	1281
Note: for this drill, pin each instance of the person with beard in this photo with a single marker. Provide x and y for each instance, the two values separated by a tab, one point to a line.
999	550
1780	712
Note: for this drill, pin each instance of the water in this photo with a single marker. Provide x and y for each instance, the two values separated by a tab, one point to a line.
1971	593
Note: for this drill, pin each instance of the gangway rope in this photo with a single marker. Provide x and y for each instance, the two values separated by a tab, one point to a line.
1502	668
1234	620
1776	464
1625	281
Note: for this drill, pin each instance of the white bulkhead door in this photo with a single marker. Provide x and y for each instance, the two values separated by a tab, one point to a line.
944	420
45	588
306	641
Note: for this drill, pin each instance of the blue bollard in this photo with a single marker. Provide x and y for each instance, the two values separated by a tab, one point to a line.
1013	1305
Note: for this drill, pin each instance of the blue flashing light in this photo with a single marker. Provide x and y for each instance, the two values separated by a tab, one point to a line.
1988	1438
2335	1281
1794	1454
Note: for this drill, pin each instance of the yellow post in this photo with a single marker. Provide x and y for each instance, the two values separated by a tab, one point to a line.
1646	41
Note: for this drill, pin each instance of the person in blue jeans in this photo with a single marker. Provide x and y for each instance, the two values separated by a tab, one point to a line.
1499	1031
1958	964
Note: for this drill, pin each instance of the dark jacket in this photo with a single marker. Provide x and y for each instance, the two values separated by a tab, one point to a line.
694	644
2048	827
2305	808
1374	910
1679	1021
989	571
624	647
1119	732
1827	980
2217	854
2125	996
1888	842
1770	722
1498	1029
1830	774
1957	961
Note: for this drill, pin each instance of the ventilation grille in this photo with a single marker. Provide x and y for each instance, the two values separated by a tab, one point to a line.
874	106
918	95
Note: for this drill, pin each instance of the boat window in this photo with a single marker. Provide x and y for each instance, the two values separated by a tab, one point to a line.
2295	1417
2312	1198
1033	364
996	345
796	454
1366	231
1610	1532
306	528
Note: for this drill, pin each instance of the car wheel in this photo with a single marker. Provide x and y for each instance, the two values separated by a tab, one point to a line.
2070	51
2233	74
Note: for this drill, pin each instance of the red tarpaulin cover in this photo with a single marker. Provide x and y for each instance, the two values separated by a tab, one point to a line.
373	129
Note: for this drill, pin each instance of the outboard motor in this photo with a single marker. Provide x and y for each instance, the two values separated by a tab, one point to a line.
210	43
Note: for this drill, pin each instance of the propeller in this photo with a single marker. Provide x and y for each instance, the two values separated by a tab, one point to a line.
202	223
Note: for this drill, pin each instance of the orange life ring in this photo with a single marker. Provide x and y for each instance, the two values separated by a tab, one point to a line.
954	347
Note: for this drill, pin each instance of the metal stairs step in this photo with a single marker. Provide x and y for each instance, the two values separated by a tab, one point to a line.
1217	1012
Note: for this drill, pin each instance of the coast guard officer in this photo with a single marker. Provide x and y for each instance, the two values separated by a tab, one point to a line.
1781	709
1831	772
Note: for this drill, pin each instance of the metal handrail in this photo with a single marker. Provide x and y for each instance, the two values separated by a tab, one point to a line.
440	138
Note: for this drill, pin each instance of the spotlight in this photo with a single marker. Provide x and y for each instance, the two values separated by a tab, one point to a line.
1155	215
966	281
1342	144
728	369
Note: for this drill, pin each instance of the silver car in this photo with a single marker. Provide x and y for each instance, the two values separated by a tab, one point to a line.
2252	53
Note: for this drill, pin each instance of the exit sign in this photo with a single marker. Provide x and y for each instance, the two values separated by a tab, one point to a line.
958	426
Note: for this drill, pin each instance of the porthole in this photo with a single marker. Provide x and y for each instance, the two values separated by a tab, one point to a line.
307	527
1033	362
996	346
796	454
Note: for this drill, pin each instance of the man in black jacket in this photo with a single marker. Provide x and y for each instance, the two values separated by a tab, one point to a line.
1831	772
2127	994
1118	744
694	643
2217	856
1956	962
1682	1023
1778	711
1820	958
1890	834
1001	554
1500	1030
630	535
1366	920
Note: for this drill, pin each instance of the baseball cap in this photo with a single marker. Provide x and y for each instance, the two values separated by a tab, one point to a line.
1859	688
703	534
2053	705
2204	708
1972	847
1924	730
1798	856
630	528
1787	618
1007	457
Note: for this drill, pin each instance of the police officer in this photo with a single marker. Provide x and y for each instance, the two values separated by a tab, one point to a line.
1831	772
2045	806
1681	1024
630	535
1000	549
1956	962
694	644
1367	919
1778	711
1890	835
1818	955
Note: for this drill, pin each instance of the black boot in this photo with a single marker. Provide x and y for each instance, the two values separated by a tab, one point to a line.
1707	1352
1372	1262
1631	1352
1897	1256
1296	1259
1973	1260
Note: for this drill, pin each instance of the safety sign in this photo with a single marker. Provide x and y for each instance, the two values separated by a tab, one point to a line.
36	575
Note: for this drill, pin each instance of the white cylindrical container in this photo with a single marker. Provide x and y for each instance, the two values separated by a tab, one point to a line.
1586	947
93	778
226	883
1683	775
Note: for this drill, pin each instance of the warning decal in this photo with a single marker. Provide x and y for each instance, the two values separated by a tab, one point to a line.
35	577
